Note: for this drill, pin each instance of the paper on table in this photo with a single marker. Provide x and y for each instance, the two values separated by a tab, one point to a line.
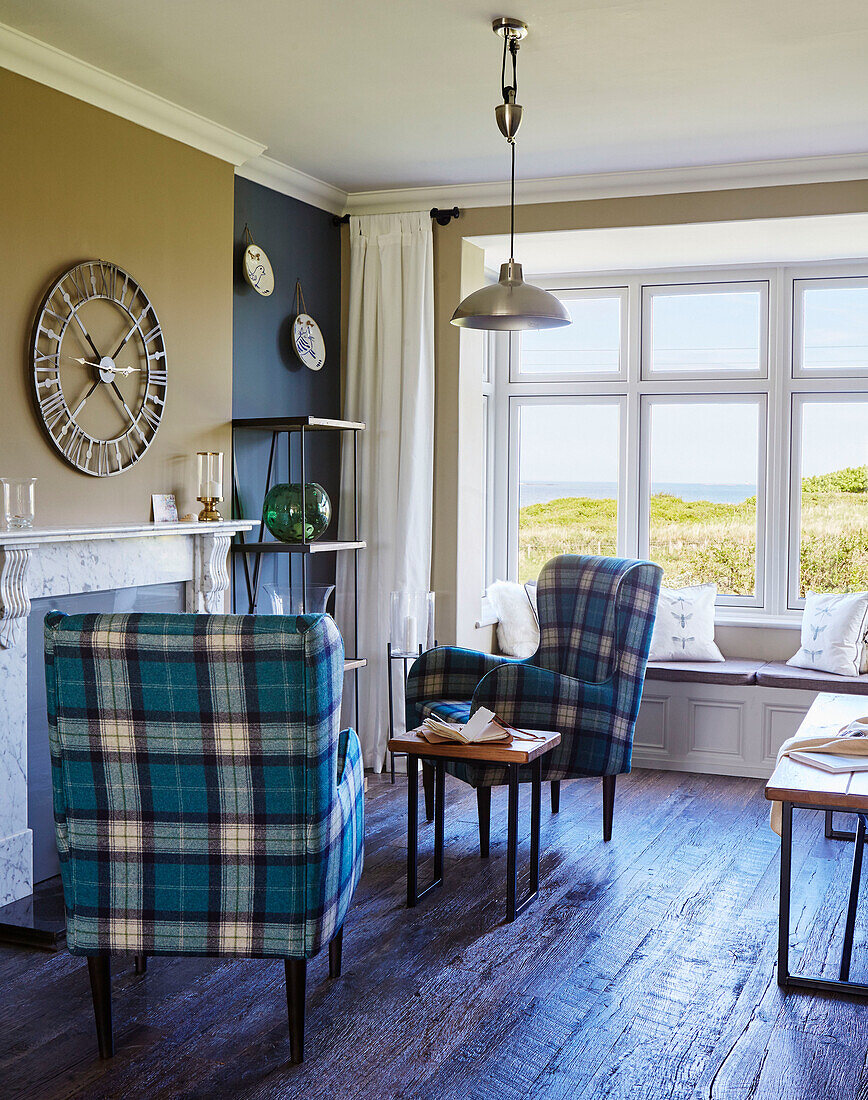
850	740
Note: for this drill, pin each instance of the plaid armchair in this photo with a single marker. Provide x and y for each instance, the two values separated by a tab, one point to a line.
596	616
205	800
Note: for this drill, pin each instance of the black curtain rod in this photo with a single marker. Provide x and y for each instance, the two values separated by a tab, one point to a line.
442	217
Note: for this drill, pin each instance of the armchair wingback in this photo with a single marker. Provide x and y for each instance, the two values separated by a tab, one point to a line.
205	799
585	680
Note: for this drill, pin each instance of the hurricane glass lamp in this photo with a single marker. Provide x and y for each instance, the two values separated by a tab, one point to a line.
210	484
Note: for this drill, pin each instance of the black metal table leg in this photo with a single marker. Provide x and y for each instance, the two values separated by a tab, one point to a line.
515	908
850	923
511	842
836	834
412	826
414	895
535	805
803	981
784	903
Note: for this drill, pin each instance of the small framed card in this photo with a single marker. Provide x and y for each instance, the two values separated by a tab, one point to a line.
164	507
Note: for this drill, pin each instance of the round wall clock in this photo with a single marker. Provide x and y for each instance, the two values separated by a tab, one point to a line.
99	368
308	341
257	270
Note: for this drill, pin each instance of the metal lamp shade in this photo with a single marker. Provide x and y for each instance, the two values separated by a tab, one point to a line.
510	304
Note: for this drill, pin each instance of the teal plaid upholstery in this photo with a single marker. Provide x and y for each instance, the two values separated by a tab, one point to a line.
205	800
585	680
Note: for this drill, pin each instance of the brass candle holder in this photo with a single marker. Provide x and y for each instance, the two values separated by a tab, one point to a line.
210	484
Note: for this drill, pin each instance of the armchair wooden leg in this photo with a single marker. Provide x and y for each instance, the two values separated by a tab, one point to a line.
100	987
428	786
556	795
608	805
483	806
140	964
296	975
335	949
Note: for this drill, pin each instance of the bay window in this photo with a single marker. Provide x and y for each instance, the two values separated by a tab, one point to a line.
713	421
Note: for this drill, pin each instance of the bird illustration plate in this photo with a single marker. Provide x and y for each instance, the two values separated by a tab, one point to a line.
257	270
308	341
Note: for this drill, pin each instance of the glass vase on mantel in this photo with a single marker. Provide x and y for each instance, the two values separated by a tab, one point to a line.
411	621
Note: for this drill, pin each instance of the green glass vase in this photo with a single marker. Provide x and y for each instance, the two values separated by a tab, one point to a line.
281	511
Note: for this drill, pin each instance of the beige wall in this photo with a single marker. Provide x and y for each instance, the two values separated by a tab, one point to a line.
458	464
78	183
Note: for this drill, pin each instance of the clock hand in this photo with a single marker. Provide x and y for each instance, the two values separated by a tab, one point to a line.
114	370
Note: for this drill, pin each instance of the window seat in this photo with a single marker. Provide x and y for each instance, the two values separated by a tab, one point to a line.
734	671
777	675
771	674
726	717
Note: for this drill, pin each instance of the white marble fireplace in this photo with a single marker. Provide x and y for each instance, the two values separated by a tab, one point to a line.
49	562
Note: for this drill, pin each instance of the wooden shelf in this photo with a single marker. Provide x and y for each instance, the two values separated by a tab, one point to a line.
352	663
295	547
296	423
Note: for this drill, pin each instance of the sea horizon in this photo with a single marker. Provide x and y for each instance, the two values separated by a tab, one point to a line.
541	492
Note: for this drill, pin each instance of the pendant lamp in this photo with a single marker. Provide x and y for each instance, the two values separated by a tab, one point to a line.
510	303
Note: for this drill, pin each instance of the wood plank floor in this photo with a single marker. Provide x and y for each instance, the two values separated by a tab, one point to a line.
645	970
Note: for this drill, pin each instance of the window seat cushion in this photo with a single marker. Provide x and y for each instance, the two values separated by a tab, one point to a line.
778	675
733	671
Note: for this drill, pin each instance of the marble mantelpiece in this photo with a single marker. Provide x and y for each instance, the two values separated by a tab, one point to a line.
59	561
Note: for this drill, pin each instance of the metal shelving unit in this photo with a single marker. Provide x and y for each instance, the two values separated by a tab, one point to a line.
300	427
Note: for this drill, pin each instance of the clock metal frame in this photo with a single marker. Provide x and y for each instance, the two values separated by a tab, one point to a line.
59	312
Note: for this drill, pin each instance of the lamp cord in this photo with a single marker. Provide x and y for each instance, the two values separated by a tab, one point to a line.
512	205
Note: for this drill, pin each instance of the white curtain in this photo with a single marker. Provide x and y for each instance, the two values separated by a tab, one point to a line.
389	386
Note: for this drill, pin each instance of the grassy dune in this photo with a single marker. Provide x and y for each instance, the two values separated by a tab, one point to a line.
699	541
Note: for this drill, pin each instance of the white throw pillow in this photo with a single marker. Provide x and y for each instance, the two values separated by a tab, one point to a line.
833	633
517	629
684	626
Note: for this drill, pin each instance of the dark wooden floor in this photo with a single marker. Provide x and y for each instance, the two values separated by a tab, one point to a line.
645	970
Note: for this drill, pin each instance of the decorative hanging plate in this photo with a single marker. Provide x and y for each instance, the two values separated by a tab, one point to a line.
257	267
257	270
306	336
308	341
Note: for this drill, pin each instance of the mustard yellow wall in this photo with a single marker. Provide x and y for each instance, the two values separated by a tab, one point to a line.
457	571
78	183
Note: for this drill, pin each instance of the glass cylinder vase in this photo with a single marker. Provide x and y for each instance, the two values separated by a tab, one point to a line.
409	621
19	501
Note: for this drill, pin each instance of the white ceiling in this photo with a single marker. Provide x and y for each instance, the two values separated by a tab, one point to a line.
655	247
370	94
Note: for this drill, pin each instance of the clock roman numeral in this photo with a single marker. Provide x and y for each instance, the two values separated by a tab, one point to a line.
45	357
102	459
153	334
54	409
150	415
157	376
72	447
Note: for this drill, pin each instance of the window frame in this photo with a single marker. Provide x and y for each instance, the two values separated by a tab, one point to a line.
516	404
760	399
649	291
618	291
800	285
781	385
798	400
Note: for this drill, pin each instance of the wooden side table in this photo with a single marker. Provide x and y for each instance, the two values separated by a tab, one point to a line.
521	751
800	786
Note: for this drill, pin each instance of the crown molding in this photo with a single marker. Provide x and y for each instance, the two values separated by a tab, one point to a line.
610	185
290	181
27	56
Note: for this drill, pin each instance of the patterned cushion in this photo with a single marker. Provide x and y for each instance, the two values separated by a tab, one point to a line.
205	801
585	681
450	710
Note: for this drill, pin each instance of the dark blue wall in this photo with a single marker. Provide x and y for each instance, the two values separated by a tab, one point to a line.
268	380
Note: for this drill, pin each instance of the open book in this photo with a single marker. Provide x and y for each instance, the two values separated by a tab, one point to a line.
483	726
